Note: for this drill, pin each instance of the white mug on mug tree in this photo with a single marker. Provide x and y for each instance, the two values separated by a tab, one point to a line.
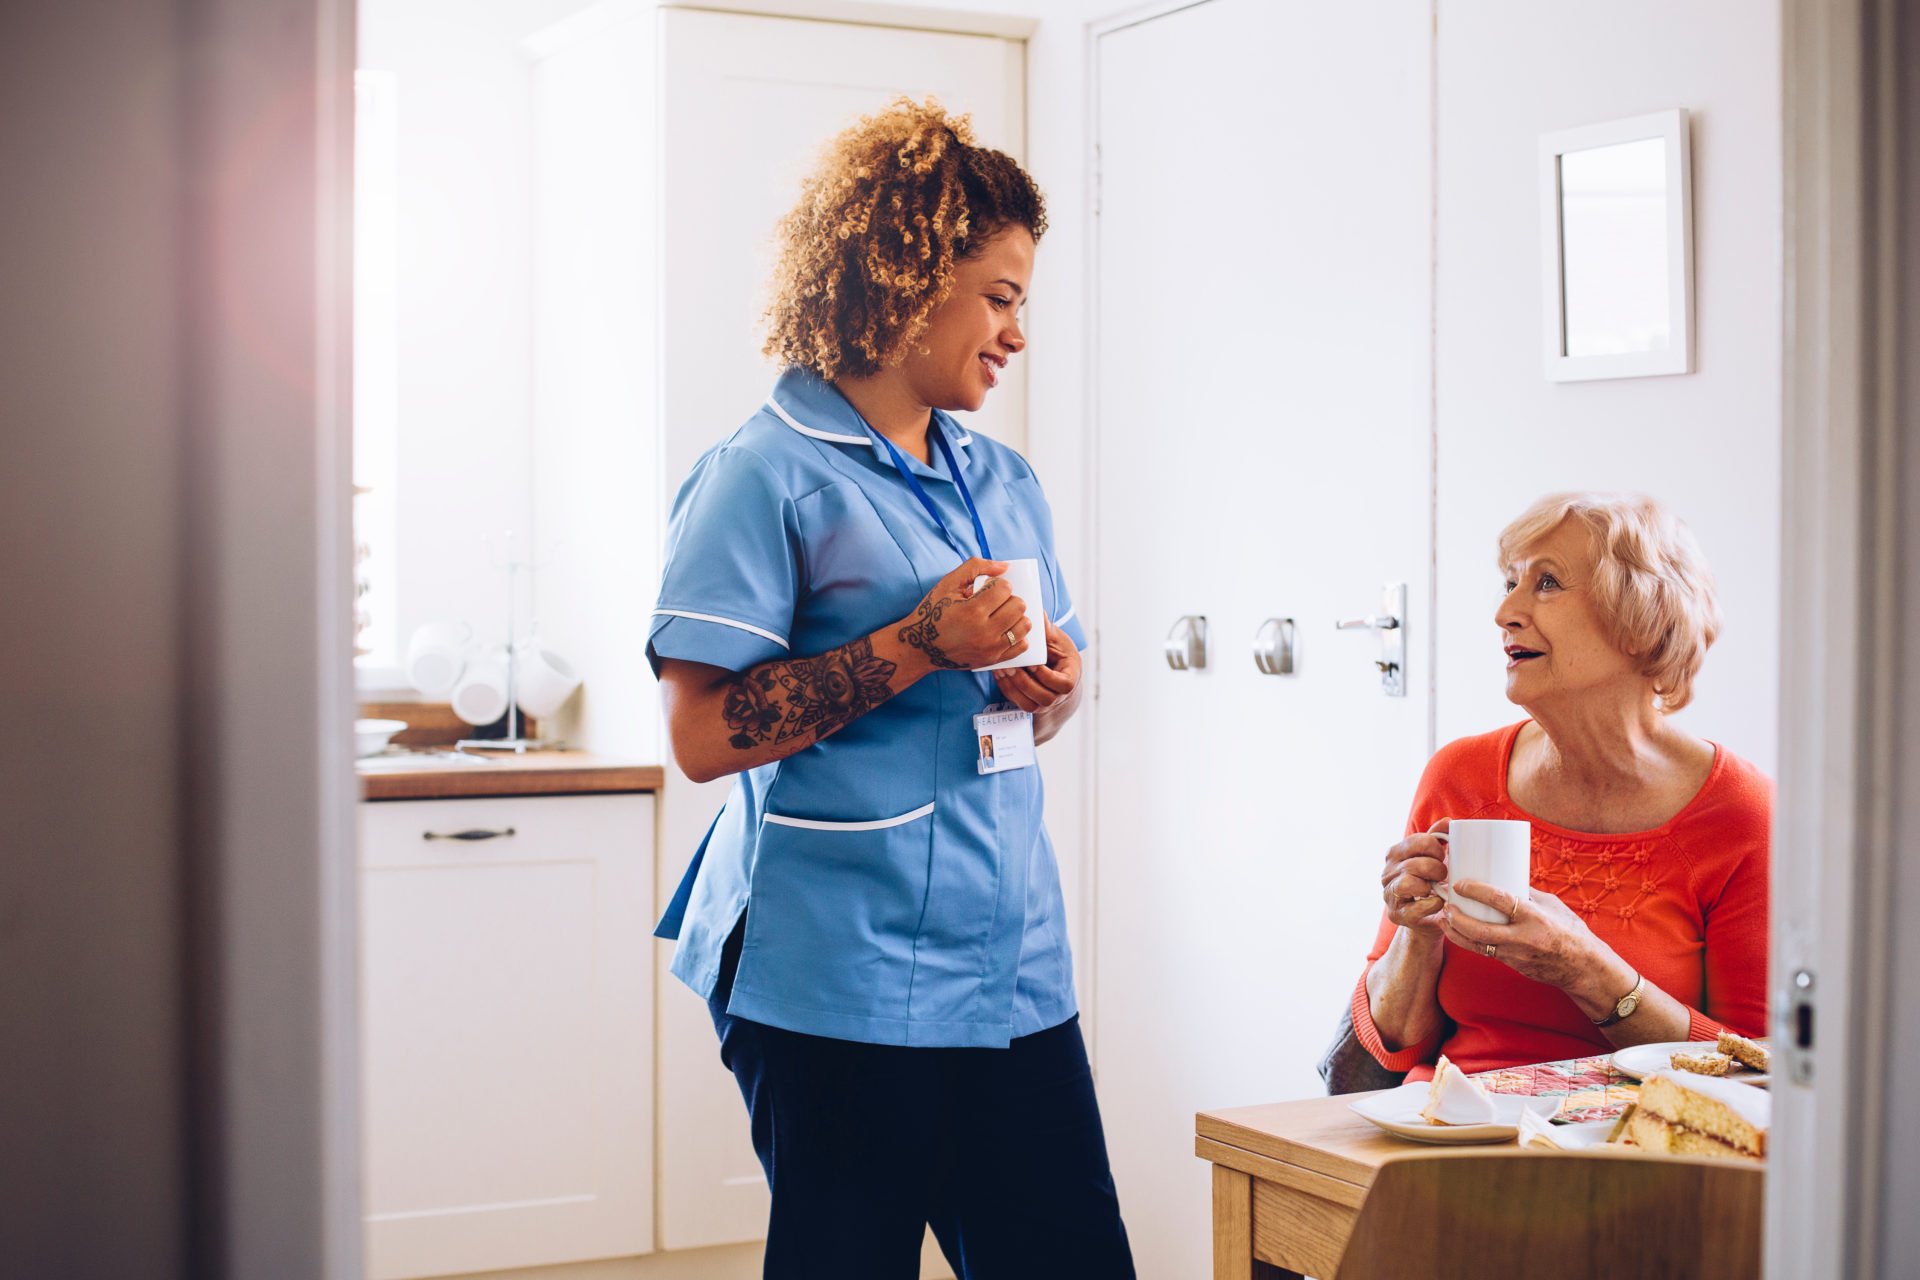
1493	851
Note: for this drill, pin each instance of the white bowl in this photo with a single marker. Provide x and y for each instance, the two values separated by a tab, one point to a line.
370	737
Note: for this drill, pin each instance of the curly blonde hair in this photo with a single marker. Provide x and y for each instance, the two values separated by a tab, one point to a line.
1649	579
892	205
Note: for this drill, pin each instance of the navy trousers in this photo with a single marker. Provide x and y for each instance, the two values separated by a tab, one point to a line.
866	1145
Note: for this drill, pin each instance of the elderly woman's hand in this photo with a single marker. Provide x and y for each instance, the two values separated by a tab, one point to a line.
1414	867
1546	942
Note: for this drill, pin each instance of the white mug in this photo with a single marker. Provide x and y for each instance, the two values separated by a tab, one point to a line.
437	656
1024	577
1495	852
542	681
481	695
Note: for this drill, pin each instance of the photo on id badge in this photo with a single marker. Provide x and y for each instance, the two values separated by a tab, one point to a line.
1006	738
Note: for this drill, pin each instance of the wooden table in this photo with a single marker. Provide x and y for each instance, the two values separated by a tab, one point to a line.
1288	1179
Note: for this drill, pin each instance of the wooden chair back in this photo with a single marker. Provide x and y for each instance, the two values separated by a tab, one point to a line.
1571	1215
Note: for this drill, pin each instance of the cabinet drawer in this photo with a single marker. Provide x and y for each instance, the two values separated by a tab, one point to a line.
507	1014
418	833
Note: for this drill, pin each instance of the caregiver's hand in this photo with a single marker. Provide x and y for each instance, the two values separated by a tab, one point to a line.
1039	688
958	630
1413	868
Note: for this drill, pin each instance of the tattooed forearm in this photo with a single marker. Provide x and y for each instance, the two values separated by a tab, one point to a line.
782	701
923	633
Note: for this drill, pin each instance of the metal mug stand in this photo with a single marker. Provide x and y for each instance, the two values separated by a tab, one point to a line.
513	741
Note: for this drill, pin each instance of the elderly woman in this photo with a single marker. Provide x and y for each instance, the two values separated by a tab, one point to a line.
1647	919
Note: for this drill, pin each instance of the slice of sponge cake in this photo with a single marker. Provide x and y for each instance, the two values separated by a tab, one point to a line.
1651	1133
1682	1113
1748	1053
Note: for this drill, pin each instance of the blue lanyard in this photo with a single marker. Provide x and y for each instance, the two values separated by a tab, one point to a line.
920	492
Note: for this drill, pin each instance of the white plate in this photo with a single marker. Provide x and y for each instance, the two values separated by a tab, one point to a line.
1398	1112
1642	1060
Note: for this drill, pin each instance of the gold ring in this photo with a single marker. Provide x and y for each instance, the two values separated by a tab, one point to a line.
1010	640
1489	951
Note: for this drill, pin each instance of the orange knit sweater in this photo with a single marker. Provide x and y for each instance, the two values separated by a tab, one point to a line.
1685	904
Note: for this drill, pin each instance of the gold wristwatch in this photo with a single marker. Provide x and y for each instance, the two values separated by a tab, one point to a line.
1628	1003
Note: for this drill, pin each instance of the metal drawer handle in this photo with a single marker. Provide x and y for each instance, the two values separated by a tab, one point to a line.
472	833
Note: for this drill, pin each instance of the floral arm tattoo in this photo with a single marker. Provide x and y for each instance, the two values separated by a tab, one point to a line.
923	633
781	701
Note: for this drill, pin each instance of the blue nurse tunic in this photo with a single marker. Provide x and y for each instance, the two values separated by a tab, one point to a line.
893	894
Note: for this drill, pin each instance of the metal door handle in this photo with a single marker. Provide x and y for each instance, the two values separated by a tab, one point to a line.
1273	647
1187	643
1390	625
475	833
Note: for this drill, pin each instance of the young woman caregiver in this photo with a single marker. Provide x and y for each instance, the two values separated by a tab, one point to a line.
875	916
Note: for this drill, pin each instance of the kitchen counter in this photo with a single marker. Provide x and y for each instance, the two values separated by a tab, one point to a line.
442	776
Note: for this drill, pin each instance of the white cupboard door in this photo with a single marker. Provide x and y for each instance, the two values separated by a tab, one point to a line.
508	1014
1262	442
747	102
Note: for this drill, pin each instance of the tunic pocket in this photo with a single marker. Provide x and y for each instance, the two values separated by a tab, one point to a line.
835	909
877	824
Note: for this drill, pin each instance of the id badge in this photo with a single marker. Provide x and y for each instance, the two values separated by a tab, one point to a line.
1006	738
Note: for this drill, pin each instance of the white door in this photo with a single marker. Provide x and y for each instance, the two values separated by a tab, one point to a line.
747	101
1262	450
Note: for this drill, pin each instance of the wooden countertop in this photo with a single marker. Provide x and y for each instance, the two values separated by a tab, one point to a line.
534	773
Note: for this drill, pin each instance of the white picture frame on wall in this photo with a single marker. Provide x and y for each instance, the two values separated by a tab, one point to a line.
1616	235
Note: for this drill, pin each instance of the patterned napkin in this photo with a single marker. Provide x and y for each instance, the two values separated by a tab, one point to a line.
1592	1087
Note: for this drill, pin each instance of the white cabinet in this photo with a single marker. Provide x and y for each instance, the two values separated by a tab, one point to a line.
507	1004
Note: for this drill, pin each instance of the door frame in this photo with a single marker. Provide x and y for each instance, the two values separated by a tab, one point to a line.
267	785
1836	828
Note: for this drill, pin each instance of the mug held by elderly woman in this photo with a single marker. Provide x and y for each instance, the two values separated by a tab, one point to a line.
1495	851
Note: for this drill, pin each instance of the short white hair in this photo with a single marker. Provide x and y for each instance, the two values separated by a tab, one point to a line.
1650	581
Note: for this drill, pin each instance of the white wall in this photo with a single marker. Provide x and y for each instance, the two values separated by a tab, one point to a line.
1708	443
597	492
465	297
